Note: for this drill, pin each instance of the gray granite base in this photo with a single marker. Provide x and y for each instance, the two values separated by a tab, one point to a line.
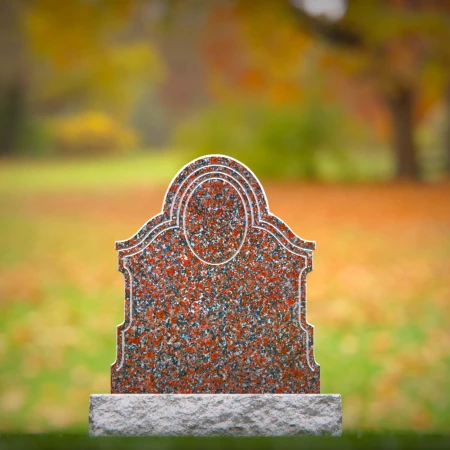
215	414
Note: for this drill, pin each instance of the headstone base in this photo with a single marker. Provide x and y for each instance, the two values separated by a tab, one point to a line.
215	414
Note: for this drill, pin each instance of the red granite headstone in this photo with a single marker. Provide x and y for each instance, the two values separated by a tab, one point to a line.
215	292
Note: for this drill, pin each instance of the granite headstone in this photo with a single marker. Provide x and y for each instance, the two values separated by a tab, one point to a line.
215	339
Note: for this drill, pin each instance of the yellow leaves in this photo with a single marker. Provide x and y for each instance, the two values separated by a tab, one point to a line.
92	132
136	58
64	31
284	92
84	50
80	375
13	399
101	382
21	336
270	56
13	287
69	29
49	412
349	62
119	73
353	409
349	344
382	343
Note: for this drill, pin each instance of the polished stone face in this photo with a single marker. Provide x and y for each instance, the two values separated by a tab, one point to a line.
215	293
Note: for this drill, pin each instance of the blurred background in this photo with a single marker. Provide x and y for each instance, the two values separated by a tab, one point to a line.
340	107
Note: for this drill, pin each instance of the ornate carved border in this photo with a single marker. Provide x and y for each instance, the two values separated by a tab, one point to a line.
257	215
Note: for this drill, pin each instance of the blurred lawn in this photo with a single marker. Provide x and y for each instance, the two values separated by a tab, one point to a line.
378	297
40	175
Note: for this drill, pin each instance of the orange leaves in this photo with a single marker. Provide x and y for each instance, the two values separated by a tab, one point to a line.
252	79
256	51
382	261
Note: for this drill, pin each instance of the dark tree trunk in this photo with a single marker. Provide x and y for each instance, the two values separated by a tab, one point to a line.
447	128
401	105
12	76
12	111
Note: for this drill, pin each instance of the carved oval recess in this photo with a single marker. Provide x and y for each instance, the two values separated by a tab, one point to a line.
215	221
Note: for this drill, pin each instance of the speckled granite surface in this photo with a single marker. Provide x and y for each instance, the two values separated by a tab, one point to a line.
215	292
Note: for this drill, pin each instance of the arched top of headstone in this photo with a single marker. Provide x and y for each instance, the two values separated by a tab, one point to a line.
215	292
231	173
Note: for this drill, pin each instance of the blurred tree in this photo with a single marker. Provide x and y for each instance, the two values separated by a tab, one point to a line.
87	53
256	51
447	128
68	56
176	29
394	55
402	45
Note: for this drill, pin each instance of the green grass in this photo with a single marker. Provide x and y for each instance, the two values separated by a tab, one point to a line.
378	297
39	176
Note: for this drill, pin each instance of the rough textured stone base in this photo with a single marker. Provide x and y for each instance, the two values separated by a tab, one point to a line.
215	414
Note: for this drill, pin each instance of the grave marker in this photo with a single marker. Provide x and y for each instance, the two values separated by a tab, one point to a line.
215	303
